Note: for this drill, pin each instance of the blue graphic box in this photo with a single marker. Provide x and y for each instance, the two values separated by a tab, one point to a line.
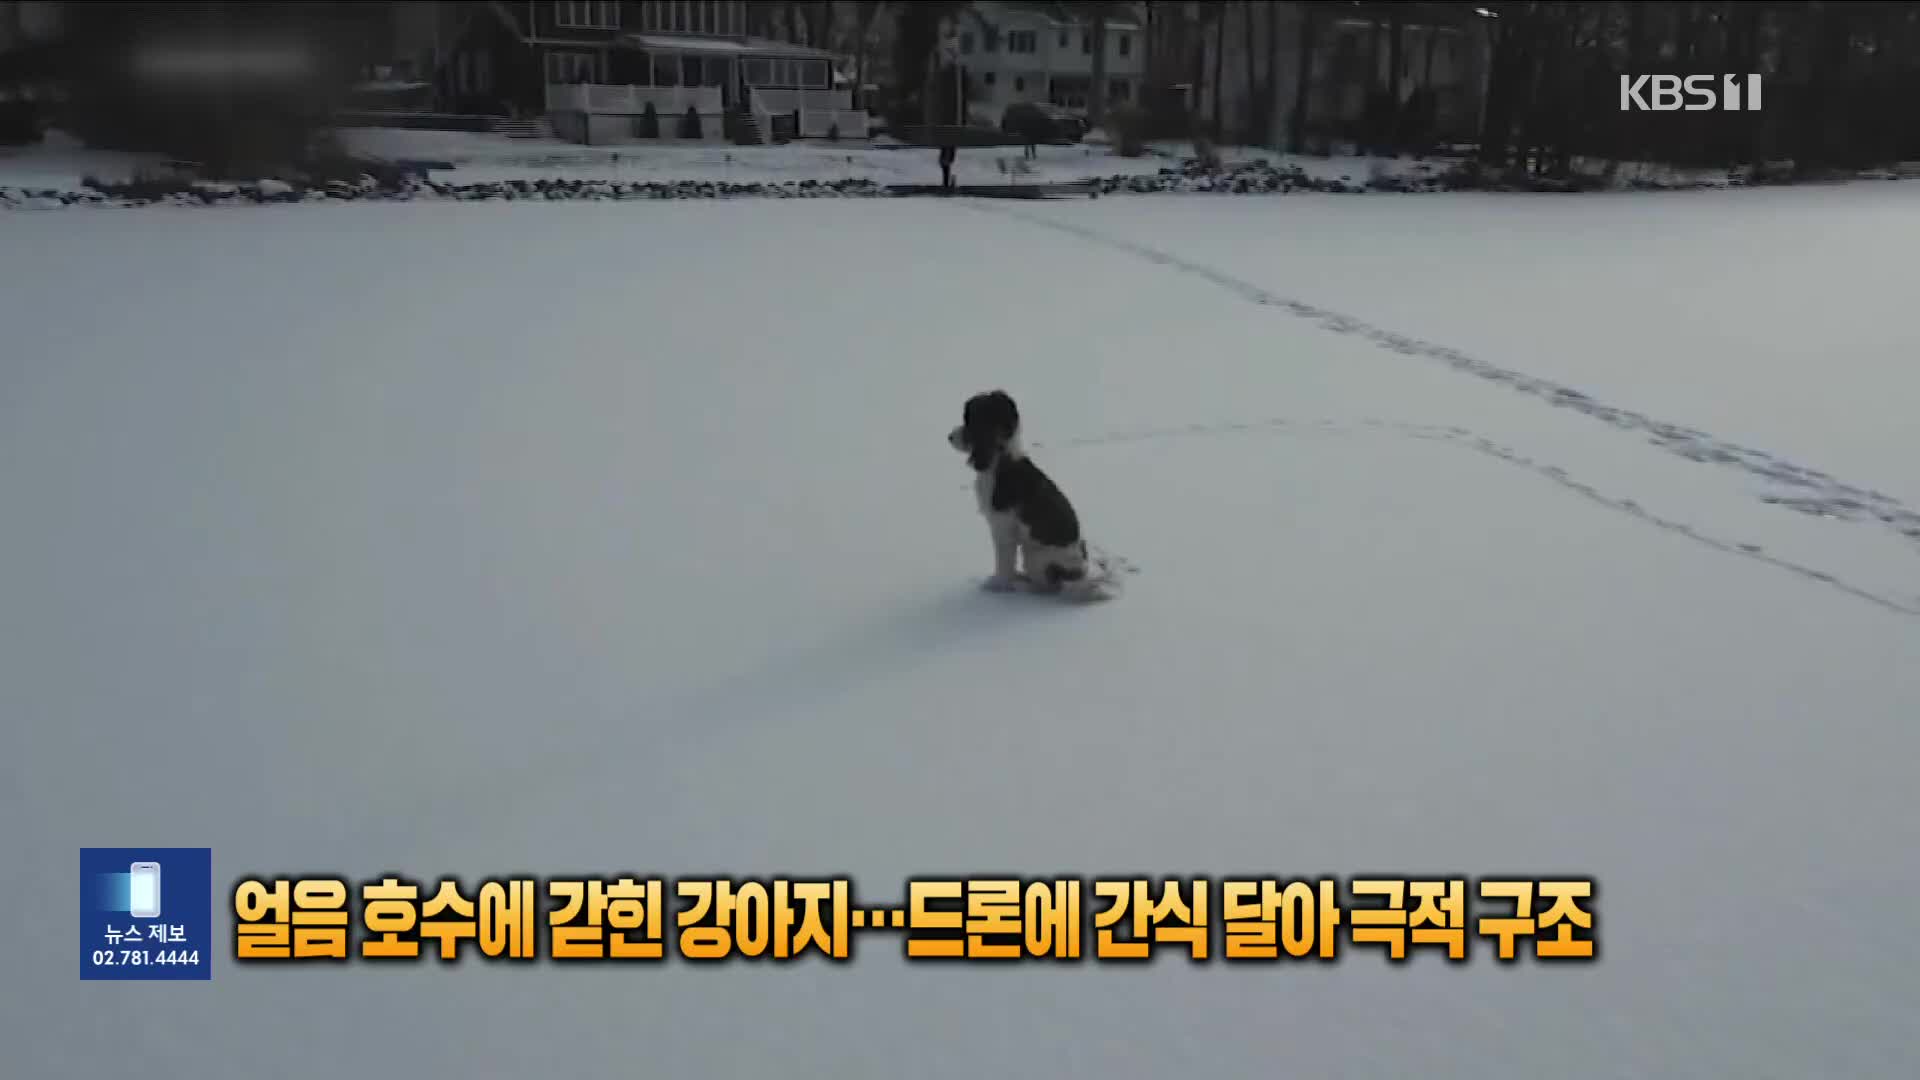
146	913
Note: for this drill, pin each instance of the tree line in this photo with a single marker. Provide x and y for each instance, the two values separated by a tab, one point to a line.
1837	74
1838	79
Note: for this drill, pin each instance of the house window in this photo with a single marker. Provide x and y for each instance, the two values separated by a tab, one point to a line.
666	70
1065	39
966	44
1019	84
1022	41
661	15
1126	44
986	78
1086	42
572	67
587	14
990	41
759	72
1118	89
474	72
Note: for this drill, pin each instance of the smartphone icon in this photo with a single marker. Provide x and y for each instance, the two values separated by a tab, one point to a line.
143	890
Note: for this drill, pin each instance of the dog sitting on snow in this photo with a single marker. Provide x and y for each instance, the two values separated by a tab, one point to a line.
1026	513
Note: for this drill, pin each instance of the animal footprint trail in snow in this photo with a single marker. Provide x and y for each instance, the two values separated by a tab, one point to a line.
1462	438
1828	498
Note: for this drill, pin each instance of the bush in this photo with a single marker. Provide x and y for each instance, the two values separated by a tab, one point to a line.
690	124
1206	154
1129	131
833	132
738	128
650	122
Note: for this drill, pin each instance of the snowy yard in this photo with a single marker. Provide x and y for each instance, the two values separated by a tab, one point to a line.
480	158
62	163
482	540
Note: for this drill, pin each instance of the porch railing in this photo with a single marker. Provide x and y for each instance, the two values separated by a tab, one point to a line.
818	117
819	112
780	100
603	99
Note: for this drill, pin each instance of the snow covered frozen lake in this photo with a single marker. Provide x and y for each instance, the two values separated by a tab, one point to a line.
1476	535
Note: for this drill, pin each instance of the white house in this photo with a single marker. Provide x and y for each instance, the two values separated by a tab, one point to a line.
1039	52
594	67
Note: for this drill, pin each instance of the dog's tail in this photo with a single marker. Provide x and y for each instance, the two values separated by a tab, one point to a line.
1098	577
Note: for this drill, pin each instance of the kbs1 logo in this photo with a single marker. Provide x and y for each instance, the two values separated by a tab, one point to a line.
1693	93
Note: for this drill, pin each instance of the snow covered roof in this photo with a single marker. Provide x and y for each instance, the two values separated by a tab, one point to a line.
1120	17
714	46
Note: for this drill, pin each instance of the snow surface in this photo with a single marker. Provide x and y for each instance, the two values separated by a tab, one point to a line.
477	540
61	162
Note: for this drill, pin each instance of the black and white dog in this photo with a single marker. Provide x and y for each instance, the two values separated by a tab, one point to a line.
1026	513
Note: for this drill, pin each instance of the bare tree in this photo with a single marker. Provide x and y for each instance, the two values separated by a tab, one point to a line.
1432	40
1097	35
1396	56
1303	75
866	14
820	24
1269	100
1219	13
1250	123
1094	16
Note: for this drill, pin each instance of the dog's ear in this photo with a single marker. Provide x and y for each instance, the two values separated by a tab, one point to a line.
991	417
1006	415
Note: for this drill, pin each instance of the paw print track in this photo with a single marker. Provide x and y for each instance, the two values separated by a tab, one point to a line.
1463	439
1817	493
